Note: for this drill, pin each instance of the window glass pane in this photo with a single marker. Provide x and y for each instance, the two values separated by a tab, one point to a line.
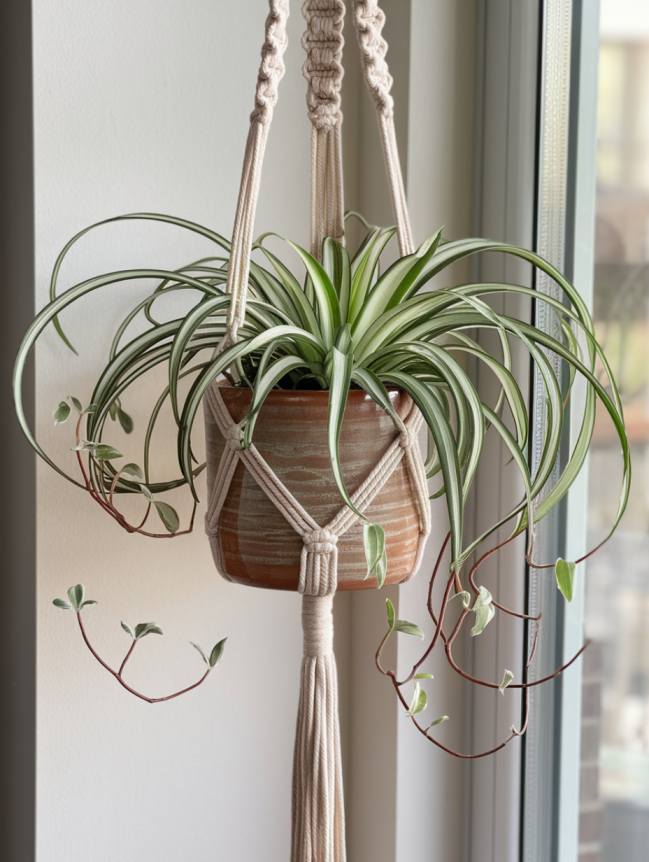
614	817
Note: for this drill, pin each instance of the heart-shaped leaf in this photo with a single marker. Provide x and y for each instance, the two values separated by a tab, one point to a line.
565	575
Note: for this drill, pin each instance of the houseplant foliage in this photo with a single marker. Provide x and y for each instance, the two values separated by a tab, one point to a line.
338	323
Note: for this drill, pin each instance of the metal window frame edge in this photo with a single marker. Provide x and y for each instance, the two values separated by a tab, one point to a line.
565	235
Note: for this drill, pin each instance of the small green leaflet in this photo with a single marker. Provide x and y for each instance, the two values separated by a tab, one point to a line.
127	629
217	652
76	403
424	676
168	515
375	556
88	602
419	701
408	628
508	676
389	608
125	420
133	470
61	603
200	652
104	452
75	594
145	491
565	575
144	629
465	598
484	611
439	720
61	413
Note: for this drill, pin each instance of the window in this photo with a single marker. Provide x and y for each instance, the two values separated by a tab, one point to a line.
614	781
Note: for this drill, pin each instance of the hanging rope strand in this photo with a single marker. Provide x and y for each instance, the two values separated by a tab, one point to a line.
369	20
271	72
318	807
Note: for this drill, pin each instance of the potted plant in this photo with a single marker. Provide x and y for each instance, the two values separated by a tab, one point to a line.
315	380
328	370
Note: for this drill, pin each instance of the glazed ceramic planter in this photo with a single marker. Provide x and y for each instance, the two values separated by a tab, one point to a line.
251	539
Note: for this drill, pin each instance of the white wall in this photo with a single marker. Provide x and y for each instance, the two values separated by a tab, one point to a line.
143	104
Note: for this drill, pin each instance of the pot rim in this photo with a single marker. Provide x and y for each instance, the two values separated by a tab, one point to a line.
316	394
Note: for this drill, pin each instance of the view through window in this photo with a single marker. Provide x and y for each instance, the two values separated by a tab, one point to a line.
614	817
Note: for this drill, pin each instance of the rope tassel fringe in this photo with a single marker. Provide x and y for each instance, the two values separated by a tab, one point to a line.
318	805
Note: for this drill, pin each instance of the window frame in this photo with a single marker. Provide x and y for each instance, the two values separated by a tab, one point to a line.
566	185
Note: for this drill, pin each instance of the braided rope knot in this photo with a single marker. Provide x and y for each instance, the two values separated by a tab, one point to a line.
323	43
370	20
320	541
272	68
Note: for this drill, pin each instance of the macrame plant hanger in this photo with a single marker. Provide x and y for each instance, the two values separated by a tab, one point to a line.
318	805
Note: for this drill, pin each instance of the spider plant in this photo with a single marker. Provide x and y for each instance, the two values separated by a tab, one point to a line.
348	324
338	323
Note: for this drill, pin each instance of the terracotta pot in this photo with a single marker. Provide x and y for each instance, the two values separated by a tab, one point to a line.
256	545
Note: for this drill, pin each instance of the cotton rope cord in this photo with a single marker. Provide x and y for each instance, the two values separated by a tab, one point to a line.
271	72
318	806
369	20
323	68
323	44
318	799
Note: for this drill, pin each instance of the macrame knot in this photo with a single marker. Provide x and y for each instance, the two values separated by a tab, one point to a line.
234	437
319	563
407	438
370	20
272	68
323	44
318	625
320	541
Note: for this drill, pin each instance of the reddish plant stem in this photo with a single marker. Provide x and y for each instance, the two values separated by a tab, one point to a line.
126	657
109	507
472	580
117	674
495	685
453	752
